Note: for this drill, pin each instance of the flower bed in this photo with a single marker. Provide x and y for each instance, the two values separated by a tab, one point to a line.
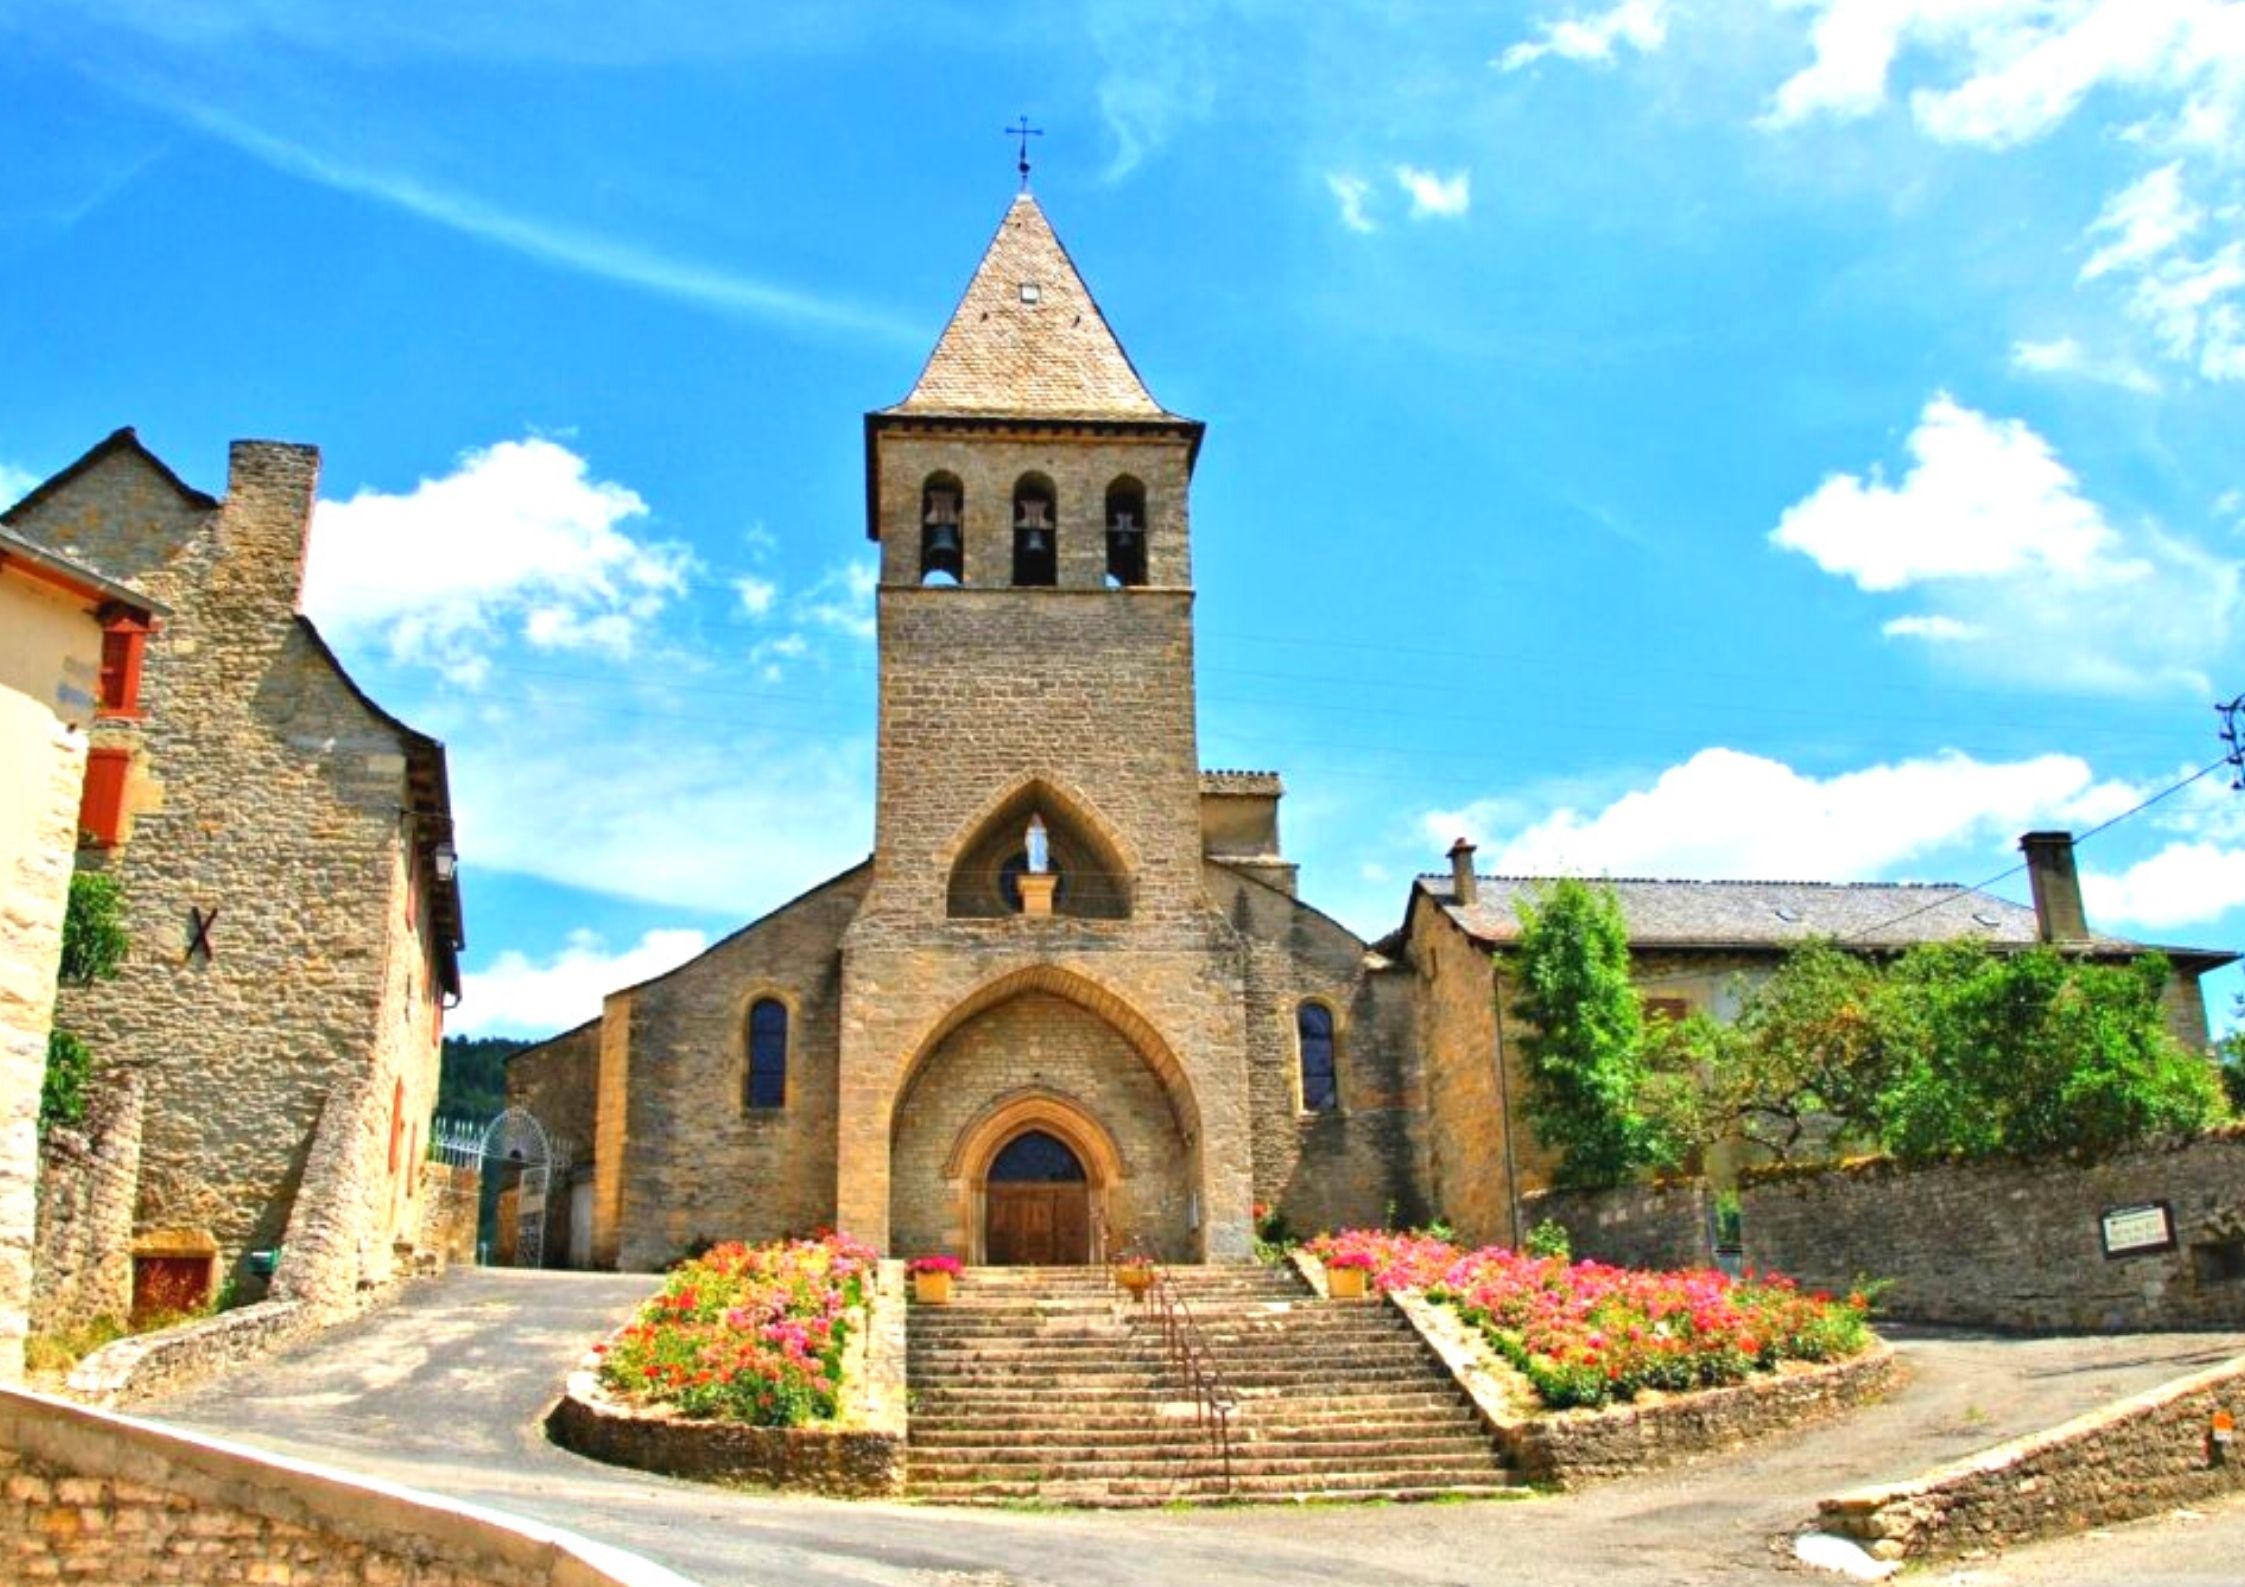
750	1334
1584	1334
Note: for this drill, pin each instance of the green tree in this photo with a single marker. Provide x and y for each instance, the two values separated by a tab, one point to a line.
2032	1054
1584	1054
472	1083
2231	1051
93	949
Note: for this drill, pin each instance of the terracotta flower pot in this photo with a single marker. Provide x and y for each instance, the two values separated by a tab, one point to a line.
1345	1283
932	1289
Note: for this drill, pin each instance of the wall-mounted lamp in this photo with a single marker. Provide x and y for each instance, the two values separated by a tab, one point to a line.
446	859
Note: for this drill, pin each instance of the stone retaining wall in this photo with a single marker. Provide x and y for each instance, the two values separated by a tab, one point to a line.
146	1365
859	1455
2152	1452
81	1257
93	1497
1660	1226
2013	1245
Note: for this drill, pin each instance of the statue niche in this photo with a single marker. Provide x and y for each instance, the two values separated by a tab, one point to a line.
1038	833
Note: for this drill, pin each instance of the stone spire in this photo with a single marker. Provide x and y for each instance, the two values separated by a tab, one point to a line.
1028	340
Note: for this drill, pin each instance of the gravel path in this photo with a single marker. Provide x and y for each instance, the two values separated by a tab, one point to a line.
443	1391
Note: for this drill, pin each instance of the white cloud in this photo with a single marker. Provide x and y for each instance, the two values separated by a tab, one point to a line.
2065	356
1984	496
1445	196
520	996
1996	533
2143	221
2183	884
1936	628
613	259
517	535
842	601
1725	813
1350	192
15	483
2020	67
757	595
1641	24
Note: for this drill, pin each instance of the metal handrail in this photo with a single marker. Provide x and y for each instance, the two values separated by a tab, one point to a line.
1188	1352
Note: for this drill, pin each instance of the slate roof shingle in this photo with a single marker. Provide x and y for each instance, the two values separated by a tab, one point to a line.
1028	340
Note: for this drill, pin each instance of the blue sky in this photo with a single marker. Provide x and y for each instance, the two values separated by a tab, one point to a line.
1767	438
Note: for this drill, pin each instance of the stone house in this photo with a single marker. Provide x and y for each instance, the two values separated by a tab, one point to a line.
284	849
70	645
1072	1000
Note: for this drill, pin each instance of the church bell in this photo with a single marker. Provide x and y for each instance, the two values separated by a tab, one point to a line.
941	551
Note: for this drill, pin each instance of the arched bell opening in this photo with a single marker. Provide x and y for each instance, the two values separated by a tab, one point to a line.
1036	531
943	547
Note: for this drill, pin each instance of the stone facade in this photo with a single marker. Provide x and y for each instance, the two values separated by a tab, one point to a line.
89	1180
2017	1245
292	942
1144	1002
54	617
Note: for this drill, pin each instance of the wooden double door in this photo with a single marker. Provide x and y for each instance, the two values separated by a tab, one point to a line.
1036	1225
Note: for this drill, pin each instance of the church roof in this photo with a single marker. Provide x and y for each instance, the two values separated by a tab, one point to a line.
1028	341
1776	915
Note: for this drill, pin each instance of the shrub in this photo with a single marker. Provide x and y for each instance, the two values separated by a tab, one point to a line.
62	1090
746	1333
1549	1238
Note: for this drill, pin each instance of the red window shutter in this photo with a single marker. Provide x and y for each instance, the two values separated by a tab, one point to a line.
101	808
397	1124
1672	1009
123	644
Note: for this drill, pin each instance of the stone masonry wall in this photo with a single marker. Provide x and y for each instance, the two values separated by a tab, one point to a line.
98	1498
1469	1180
1041	1041
2149	1454
49	760
266	792
88	1177
557	1083
1350	1166
2017	1245
698	1162
1661	1226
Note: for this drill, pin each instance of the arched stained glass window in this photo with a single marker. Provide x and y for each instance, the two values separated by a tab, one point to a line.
767	1054
1035	1158
1313	1032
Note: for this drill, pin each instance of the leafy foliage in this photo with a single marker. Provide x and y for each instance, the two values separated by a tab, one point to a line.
1584	1054
62	1090
2231	1051
1952	1050
93	930
94	944
473	1081
1549	1238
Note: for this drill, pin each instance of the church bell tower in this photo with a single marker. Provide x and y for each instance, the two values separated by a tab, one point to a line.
1030	499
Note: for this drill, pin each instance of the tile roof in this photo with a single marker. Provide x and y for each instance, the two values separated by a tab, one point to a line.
1773	914
1028	340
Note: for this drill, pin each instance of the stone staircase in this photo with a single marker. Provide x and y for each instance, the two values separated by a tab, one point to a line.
1044	1384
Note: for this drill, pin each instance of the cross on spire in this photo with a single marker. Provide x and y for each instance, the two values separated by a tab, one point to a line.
1024	132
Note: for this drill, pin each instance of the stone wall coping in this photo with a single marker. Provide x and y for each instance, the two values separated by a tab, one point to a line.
142	1362
1875	1165
2089	1425
386	1516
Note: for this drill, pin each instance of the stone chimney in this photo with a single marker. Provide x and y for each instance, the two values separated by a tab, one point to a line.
2059	916
266	522
1465	888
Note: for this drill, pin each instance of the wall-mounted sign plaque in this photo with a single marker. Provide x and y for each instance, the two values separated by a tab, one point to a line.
2138	1231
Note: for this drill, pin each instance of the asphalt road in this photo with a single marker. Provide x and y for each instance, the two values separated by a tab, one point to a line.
443	1391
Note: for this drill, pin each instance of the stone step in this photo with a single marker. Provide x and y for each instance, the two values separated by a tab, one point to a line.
1154	1443
991	1399
1277	1417
1064	1380
1163	1461
1208	1488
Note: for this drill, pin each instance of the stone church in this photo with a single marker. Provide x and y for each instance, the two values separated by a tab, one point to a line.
1072	999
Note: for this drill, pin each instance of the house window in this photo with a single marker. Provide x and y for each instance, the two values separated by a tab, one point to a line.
1669	1010
1313	1034
123	642
101	807
767	1054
